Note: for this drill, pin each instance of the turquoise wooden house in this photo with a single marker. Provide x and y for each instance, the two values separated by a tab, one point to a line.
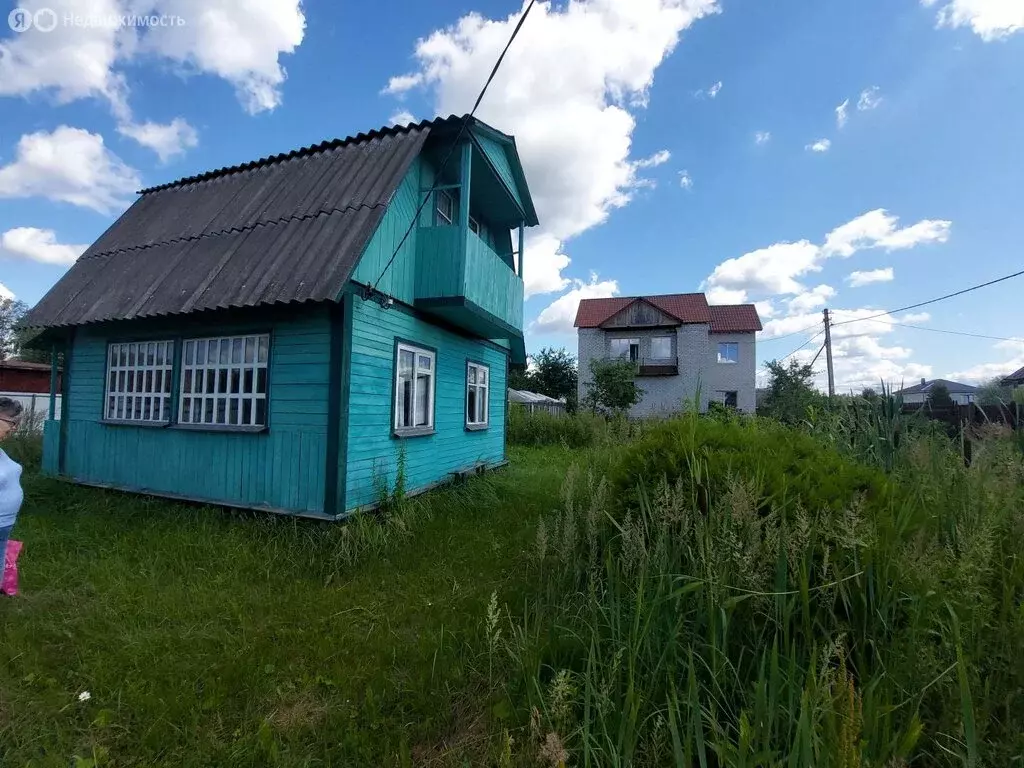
274	335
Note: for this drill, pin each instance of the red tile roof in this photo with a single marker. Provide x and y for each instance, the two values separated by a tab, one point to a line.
734	318
684	307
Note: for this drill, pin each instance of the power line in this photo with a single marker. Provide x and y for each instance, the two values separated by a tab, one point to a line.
943	330
931	301
794	333
458	137
819	333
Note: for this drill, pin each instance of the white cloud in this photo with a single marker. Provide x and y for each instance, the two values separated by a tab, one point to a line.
989	19
559	316
858	279
879	229
811	299
69	165
762	137
38	245
166	139
869	99
5	292
714	89
915	317
684	180
983	372
841	116
402	117
239	41
765	309
821	145
660	157
565	91
770	270
543	265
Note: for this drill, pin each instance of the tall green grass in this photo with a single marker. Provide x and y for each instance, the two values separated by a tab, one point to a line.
777	605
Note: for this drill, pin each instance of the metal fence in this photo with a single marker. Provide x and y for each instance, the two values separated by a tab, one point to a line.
37	407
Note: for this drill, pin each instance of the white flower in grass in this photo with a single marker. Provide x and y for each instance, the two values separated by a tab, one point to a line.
84	696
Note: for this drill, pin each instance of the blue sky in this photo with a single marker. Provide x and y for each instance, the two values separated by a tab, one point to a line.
672	145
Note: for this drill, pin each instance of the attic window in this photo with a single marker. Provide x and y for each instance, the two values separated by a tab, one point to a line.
224	381
474	225
445	207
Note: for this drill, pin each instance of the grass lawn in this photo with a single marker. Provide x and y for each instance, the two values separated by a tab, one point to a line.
206	637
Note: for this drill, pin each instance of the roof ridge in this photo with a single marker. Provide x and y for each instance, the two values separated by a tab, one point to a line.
233	230
312	149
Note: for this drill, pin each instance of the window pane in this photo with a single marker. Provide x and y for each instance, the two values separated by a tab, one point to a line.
148	385
472	374
404	403
236	350
200	352
151	354
190	352
233	411
261	412
236	381
263	348
261	381
422	400
247	411
425	362
210	377
250	349
247	381
131	382
482	376
111	407
471	404
661	347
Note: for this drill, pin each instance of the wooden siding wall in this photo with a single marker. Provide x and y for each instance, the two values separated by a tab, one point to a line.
372	451
639	314
281	469
399	280
496	155
491	284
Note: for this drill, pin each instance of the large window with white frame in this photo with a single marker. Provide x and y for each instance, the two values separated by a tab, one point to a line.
414	389
477	385
138	385
224	381
728	352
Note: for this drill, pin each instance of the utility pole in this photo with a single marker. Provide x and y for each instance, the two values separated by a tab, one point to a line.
828	355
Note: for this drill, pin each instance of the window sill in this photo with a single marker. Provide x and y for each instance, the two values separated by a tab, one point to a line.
477	427
728	362
133	423
219	428
414	432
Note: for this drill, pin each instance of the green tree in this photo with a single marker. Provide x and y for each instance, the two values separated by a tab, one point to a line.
12	339
520	378
994	393
938	396
554	374
612	387
790	392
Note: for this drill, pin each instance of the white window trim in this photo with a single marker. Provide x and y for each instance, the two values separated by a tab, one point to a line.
417	352
126	392
629	343
482	395
726	361
199	372
441	215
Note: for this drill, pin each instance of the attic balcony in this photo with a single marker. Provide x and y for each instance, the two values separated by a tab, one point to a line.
462	280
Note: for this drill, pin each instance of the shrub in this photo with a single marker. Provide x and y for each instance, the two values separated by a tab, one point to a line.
705	456
576	430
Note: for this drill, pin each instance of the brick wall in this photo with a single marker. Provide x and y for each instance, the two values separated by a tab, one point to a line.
697	351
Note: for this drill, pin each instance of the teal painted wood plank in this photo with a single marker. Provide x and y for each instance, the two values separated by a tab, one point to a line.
372	452
280	468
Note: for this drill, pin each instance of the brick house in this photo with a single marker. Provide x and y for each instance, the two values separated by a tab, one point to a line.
680	346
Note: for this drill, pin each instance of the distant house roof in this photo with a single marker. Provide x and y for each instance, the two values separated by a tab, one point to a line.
684	307
286	228
23	365
1017	377
734	318
954	388
522	396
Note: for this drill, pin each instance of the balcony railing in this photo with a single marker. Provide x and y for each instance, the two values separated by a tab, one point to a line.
653	366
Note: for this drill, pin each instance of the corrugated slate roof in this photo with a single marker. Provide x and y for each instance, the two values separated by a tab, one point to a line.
1015	376
734	318
954	387
285	228
684	307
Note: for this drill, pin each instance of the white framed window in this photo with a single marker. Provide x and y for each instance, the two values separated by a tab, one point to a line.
139	381
478	379
224	381
414	388
474	226
728	352
661	347
627	349
445	205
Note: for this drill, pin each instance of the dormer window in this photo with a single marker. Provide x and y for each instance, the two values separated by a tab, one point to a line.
445	205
